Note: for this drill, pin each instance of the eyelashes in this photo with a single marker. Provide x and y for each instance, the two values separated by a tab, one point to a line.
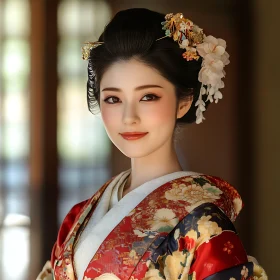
155	97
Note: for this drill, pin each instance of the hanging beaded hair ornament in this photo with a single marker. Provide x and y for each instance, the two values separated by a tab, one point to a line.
196	44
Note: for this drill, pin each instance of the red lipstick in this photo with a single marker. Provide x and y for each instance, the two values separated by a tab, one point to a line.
133	135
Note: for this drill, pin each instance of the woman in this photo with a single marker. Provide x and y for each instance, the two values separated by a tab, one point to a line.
149	73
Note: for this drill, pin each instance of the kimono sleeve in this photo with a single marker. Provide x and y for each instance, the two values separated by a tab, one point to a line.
204	245
65	228
46	273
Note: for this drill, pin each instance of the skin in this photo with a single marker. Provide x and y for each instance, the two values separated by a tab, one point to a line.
132	110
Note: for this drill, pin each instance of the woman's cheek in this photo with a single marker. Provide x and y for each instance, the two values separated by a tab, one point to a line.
109	117
162	114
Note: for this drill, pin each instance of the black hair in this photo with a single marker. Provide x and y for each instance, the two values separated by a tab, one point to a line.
133	33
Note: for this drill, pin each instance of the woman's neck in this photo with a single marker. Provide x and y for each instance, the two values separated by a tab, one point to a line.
142	173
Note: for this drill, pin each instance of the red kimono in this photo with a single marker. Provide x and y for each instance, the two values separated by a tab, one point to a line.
181	230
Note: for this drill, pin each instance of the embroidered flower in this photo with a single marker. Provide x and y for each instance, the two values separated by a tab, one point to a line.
244	272
237	204
107	276
207	229
174	264
194	193
174	194
212	189
186	243
163	220
188	179
228	246
153	274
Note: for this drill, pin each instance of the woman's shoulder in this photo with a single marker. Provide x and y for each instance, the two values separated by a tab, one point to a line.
199	188
74	213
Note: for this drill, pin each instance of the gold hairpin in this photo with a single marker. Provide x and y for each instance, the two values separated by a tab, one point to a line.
88	46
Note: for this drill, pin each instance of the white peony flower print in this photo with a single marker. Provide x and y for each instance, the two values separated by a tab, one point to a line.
237	204
163	218
107	276
208	228
174	194
244	272
194	193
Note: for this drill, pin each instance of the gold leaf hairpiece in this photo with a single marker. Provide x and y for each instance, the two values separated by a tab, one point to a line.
88	46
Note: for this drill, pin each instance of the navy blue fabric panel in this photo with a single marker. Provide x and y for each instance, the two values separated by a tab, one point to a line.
233	272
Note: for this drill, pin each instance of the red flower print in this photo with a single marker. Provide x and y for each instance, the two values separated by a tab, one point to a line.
228	247
186	243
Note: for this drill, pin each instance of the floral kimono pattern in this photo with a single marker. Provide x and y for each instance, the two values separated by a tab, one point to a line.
182	230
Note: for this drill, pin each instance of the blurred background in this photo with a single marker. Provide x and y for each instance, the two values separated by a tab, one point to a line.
55	153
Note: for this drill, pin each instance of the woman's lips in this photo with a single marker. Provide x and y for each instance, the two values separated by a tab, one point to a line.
133	136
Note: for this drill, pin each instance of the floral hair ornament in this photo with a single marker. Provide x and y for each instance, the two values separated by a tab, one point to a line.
196	44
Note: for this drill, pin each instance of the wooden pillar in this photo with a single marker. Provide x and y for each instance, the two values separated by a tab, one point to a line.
43	116
267	136
244	113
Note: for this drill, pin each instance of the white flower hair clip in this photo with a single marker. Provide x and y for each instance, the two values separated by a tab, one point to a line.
212	50
196	44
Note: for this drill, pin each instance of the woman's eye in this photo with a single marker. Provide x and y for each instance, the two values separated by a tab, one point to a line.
113	97
151	97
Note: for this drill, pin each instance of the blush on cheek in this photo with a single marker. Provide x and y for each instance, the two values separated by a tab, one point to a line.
109	116
163	114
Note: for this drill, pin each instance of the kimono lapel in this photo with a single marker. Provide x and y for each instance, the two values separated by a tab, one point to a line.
126	249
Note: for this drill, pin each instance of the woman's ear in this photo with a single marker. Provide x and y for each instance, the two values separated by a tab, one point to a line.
184	106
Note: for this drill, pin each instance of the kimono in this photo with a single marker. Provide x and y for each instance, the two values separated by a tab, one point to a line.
177	226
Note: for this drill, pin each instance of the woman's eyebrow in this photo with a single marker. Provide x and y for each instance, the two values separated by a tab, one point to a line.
137	88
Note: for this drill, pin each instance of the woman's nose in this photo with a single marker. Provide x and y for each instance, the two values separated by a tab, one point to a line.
130	114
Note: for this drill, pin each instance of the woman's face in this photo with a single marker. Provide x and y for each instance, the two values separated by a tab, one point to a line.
136	98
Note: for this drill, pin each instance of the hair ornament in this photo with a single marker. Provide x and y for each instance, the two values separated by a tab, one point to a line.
88	46
196	44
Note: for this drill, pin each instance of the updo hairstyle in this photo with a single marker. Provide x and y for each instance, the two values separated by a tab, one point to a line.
131	34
